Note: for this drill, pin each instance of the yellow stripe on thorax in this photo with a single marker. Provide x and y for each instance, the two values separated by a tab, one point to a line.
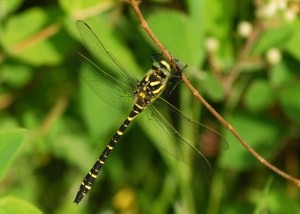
158	90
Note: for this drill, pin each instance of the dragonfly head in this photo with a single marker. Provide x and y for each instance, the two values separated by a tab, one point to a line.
162	66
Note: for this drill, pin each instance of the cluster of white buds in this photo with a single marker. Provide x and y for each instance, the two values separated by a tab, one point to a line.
272	11
269	11
286	9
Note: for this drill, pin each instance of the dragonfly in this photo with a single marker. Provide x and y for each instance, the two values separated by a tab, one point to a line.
142	99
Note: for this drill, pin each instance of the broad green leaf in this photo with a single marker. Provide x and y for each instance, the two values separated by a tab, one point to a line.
279	201
276	37
216	18
293	44
276	201
12	34
261	134
288	97
195	9
213	87
16	74
261	200
42	41
8	122
77	149
179	34
280	74
259	96
13	205
10	142
9	7
81	9
237	207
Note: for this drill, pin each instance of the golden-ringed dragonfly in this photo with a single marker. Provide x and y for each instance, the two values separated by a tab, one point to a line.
123	91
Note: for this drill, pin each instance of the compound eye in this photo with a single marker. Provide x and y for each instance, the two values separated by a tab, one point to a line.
165	65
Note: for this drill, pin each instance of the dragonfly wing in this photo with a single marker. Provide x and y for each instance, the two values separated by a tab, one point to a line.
188	124
98	50
107	88
168	139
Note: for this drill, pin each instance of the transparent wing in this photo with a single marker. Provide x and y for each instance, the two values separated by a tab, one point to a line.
107	88
170	140
98	50
188	124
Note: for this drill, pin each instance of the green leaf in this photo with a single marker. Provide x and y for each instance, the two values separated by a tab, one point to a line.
179	34
216	21
281	74
276	37
12	205
41	41
76	8
293	44
8	7
194	8
8	122
16	74
279	201
259	96
261	200
275	200
262	135
213	87
10	142
288	97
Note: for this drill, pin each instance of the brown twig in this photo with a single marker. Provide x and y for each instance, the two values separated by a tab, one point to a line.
6	100
58	108
92	11
35	38
197	95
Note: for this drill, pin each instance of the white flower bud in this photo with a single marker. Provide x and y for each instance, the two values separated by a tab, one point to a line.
281	4
289	15
273	56
244	29
211	44
270	9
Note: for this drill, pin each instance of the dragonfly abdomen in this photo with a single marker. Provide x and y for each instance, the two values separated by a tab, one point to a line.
90	178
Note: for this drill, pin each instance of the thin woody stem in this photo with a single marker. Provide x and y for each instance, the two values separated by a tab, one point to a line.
202	100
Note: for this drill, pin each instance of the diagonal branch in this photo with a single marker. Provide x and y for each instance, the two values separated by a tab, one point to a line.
144	25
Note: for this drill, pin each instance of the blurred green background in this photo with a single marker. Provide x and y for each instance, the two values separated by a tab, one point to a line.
242	56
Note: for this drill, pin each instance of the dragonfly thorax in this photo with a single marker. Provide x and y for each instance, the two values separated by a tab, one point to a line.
153	84
162	66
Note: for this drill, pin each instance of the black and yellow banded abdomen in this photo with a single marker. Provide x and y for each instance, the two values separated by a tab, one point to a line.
90	178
